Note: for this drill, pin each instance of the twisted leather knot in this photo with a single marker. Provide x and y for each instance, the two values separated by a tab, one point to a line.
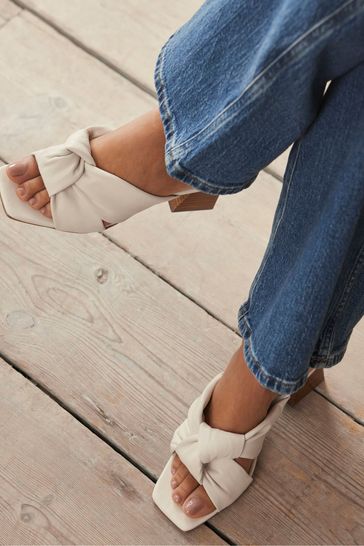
62	165
209	453
214	443
69	174
82	196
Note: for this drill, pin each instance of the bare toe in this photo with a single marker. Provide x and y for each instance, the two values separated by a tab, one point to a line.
198	503
39	200
187	486
176	461
47	211
27	189
179	475
23	170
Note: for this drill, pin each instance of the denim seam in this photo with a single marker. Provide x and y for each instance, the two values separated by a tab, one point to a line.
279	221
346	292
329	360
256	86
268	380
162	95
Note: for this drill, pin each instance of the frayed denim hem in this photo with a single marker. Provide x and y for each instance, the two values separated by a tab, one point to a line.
173	164
269	381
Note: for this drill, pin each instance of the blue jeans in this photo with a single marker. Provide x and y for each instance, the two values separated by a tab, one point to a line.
237	84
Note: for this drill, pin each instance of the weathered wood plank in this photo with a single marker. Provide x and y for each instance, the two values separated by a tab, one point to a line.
127	34
49	88
213	256
128	353
61	484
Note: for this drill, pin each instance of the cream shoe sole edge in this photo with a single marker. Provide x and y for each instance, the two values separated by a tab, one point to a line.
209	454
82	196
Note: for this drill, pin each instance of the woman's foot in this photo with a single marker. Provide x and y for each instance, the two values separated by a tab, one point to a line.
238	403
134	152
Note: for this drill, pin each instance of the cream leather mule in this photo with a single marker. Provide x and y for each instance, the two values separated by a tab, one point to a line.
82	196
209	454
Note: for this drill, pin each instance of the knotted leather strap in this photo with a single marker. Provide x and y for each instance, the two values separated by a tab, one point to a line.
208	452
82	195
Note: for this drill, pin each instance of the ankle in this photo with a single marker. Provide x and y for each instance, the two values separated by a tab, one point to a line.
239	402
220	414
135	153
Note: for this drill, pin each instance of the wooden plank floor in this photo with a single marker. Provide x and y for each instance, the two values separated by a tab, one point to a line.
107	340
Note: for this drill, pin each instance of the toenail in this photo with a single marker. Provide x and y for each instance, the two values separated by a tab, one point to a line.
173	470
176	498
17	169
20	191
43	211
194	505
31	201
174	483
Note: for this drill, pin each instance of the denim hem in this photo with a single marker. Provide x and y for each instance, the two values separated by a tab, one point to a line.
173	165
267	380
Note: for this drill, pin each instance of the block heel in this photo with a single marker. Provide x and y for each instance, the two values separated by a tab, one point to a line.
315	377
193	201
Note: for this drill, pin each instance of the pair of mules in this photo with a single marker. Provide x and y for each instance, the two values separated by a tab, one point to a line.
84	199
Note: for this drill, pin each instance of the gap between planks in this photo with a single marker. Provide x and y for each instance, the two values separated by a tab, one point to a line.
89	50
102	437
36	512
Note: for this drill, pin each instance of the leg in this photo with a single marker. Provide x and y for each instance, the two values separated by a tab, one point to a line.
210	109
308	293
241	81
218	140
